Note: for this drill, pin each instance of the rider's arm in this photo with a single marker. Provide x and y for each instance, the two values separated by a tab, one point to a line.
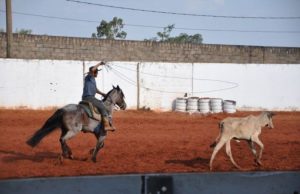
97	65
101	93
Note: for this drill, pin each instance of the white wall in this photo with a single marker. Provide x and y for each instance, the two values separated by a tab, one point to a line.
48	83
39	83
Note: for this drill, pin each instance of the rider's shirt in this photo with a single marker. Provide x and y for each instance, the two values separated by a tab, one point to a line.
90	87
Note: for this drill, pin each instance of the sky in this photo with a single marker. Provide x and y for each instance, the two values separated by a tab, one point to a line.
52	17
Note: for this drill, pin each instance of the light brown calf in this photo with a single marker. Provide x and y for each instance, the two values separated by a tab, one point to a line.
246	128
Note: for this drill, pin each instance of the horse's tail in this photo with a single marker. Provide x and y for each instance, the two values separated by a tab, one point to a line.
221	127
52	123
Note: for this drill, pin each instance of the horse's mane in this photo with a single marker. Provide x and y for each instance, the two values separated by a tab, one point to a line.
106	96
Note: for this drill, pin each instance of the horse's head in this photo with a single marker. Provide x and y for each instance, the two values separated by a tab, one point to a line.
116	96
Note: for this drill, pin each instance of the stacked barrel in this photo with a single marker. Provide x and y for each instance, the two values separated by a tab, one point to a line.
180	104
229	106
205	105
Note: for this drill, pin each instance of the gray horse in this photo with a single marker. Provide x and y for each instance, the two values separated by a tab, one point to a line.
73	118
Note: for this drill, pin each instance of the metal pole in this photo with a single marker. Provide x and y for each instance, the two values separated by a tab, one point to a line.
9	35
138	85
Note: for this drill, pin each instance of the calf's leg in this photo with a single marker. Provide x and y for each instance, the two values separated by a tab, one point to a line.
216	149
228	151
261	145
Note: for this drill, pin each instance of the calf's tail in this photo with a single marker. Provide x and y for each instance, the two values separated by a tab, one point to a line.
52	123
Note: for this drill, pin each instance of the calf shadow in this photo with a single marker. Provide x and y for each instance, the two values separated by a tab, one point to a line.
195	162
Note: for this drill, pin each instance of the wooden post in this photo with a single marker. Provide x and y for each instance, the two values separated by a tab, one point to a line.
192	79
138	86
83	72
8	29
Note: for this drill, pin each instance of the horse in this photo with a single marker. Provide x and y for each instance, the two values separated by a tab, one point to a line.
73	118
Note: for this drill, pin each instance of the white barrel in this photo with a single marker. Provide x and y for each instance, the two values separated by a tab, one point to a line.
216	105
229	106
180	104
192	104
203	105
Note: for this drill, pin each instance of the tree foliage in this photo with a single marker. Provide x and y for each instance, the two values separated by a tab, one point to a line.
165	35
181	38
110	30
185	38
23	31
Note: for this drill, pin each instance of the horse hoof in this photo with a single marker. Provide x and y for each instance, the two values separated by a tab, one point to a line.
71	157
94	159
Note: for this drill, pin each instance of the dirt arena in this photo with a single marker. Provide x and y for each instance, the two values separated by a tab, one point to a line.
145	142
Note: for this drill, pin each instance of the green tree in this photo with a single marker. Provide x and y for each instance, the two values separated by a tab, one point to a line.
182	38
185	38
110	30
23	31
165	35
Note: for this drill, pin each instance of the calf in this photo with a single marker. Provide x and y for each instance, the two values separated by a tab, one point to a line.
246	128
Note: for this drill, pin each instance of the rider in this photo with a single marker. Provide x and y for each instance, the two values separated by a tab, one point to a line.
89	92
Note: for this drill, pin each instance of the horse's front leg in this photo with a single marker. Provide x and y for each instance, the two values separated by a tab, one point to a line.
99	145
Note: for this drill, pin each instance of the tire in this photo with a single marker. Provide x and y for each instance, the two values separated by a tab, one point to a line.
180	104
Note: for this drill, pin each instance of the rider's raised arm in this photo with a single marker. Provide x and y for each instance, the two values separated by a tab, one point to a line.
94	68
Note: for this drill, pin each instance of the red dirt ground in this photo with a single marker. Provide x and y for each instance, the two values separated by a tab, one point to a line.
145	142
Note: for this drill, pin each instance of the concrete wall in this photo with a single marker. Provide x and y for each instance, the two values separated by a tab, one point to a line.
89	49
233	183
48	83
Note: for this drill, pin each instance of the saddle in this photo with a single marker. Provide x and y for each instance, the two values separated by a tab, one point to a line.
91	110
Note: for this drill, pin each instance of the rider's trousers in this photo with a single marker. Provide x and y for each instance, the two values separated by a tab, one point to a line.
98	103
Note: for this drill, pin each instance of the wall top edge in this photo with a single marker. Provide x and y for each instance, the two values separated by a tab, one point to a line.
3	35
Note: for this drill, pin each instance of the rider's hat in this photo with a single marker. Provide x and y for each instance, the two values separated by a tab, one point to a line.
90	69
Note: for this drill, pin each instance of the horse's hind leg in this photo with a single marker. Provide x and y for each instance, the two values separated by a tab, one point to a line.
99	145
66	150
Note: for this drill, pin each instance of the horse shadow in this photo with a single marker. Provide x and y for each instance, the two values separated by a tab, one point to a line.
194	162
37	157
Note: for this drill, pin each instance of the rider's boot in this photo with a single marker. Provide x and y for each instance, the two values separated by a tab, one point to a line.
107	125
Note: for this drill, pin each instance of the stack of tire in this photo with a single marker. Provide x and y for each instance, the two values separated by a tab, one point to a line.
192	104
216	105
229	106
203	105
180	104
